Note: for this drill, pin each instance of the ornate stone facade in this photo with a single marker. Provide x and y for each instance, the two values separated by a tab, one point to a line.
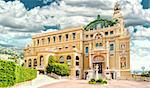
102	48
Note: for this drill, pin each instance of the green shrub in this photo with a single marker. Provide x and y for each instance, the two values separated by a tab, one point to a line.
10	73
25	74
104	82
7	73
90	82
59	69
99	80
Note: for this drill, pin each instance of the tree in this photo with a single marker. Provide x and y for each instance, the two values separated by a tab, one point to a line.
51	60
57	68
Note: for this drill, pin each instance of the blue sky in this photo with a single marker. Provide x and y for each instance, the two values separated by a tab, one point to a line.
19	20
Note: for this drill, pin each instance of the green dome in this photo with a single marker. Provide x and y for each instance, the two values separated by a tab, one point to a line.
101	22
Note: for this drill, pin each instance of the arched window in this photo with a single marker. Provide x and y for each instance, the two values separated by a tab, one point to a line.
96	44
35	62
77	73
86	50
69	60
48	40
25	63
38	42
100	44
43	41
41	61
61	60
77	61
30	63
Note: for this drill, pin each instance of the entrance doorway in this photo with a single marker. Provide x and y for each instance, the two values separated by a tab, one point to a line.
98	66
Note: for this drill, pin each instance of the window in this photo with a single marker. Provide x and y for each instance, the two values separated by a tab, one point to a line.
111	47
60	48
25	62
41	60
77	61
77	73
73	46
30	63
73	36
38	42
66	47
35	62
48	40
106	33
69	60
60	38
87	36
67	37
54	39
96	44
100	44
91	36
111	32
42	41
61	60
86	50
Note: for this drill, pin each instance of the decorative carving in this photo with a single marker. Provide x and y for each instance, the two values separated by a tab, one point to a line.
98	59
122	46
123	62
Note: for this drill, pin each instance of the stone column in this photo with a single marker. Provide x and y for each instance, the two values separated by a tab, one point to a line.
107	71
90	56
107	63
96	71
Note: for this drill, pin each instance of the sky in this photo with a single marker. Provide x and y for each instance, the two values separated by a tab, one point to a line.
20	19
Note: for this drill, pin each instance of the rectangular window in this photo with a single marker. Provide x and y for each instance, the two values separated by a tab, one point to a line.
60	38
77	63
54	39
111	47
106	33
73	36
111	32
86	50
67	37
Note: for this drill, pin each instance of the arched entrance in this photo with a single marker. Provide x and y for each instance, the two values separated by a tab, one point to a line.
98	65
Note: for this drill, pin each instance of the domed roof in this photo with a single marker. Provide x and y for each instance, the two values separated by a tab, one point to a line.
100	22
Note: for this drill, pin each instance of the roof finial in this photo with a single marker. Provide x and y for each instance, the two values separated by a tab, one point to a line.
117	6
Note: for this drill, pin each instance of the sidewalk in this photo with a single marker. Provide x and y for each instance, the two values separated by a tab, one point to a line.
37	82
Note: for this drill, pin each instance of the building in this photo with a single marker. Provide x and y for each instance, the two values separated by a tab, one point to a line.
102	48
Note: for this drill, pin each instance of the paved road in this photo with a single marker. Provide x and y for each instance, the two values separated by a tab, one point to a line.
111	84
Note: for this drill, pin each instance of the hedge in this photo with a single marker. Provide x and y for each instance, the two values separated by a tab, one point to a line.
10	73
59	69
7	73
25	74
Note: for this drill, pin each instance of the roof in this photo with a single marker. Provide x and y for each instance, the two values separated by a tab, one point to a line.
102	22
